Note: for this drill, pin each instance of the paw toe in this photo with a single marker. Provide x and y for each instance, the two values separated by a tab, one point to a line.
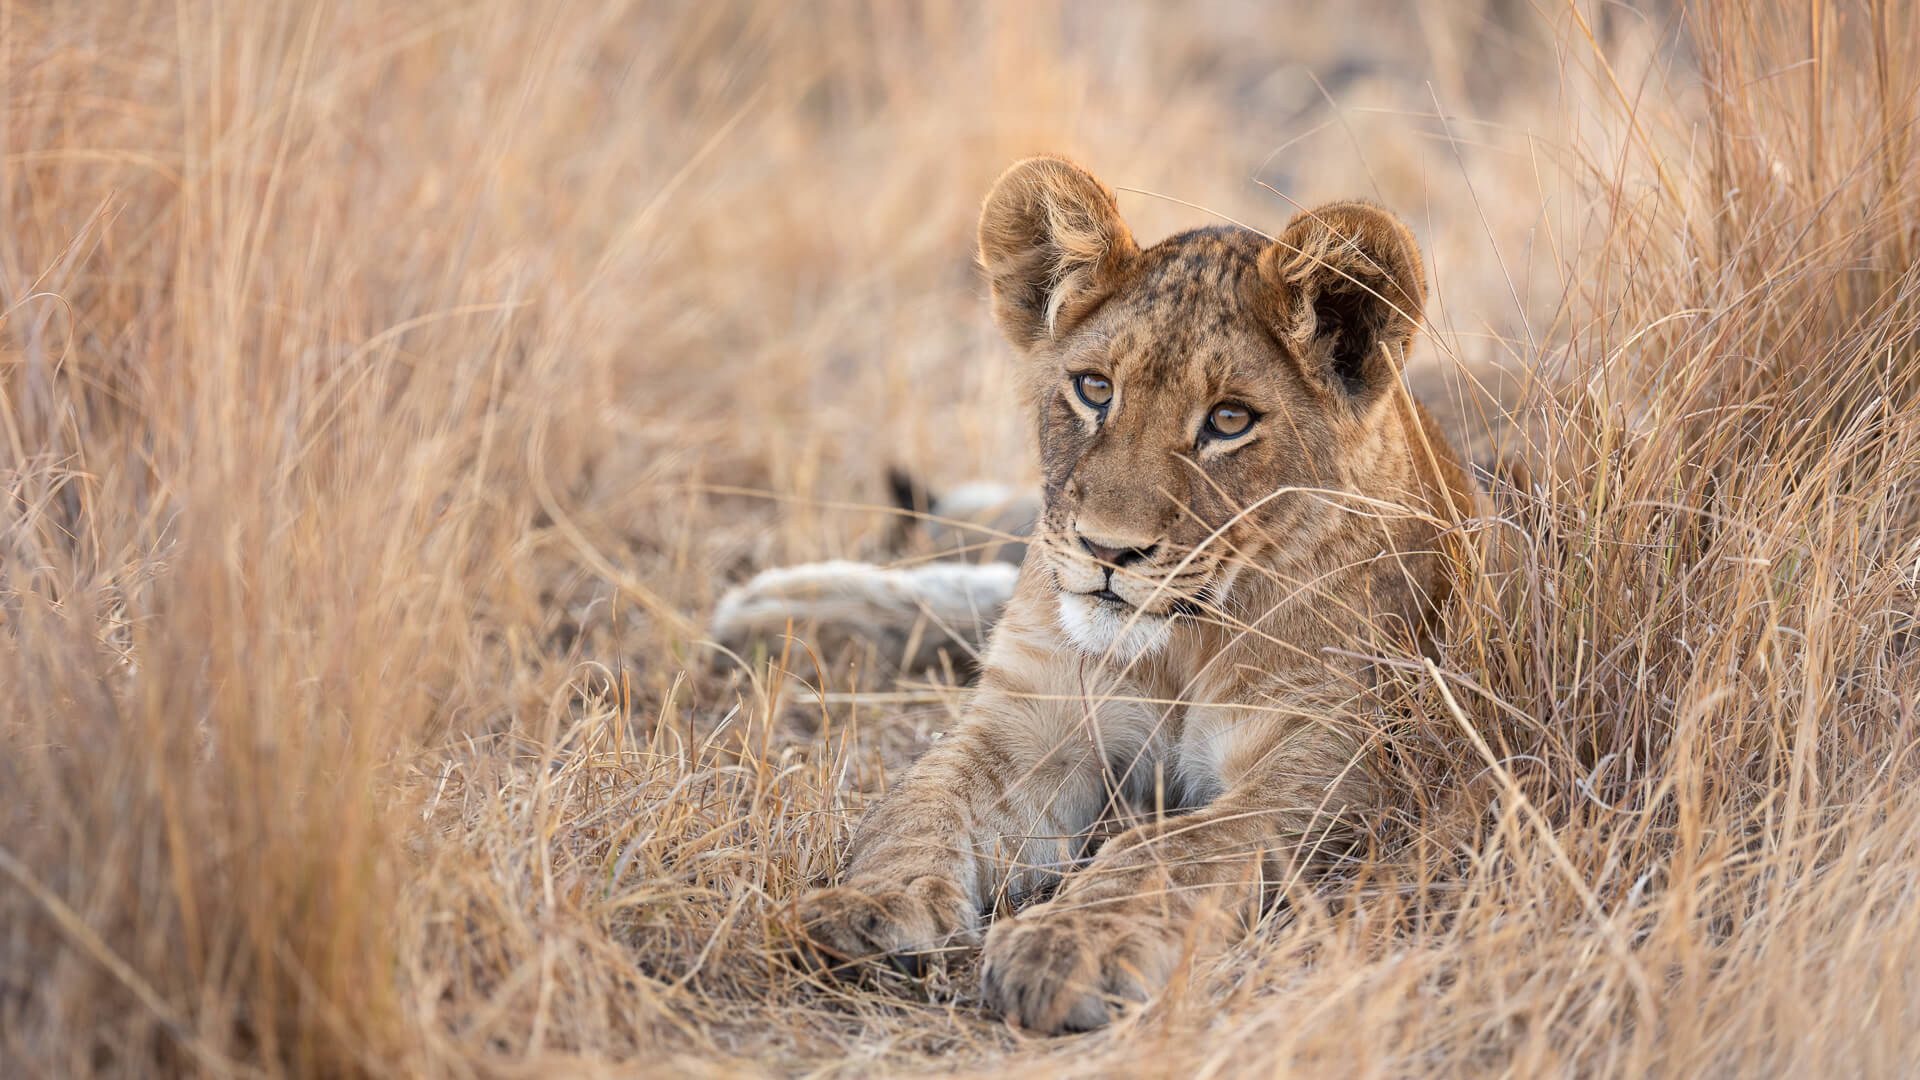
1063	972
849	926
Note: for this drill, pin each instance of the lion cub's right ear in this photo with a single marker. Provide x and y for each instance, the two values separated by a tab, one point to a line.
1053	245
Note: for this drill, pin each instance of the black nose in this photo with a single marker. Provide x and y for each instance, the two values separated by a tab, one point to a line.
1113	556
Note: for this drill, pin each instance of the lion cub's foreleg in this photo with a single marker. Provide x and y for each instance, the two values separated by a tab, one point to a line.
1004	800
1118	927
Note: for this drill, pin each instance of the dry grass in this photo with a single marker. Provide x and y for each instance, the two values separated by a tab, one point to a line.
378	384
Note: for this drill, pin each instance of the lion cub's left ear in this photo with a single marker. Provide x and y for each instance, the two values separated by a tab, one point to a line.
1347	287
1053	246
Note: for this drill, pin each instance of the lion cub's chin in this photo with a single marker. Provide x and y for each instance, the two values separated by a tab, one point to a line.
1102	629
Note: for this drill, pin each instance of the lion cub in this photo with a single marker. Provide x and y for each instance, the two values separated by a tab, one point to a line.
1239	496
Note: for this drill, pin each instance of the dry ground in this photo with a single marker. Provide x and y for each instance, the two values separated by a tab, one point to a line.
388	390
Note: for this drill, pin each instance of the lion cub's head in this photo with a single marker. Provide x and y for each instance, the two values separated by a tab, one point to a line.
1183	391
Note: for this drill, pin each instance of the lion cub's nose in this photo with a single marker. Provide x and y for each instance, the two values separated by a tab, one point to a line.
1115	555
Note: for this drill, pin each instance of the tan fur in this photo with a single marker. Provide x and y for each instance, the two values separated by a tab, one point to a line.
1216	702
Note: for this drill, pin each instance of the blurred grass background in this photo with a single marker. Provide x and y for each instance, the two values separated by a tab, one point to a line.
387	391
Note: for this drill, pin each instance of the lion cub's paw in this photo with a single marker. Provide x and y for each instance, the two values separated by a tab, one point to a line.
1058	968
906	928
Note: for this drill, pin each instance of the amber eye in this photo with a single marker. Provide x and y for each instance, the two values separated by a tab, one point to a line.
1095	390
1229	421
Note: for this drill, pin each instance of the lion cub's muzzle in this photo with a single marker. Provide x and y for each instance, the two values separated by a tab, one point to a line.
1119	602
1155	580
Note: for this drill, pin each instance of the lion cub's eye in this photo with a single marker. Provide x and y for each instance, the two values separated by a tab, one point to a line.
1095	390
1229	421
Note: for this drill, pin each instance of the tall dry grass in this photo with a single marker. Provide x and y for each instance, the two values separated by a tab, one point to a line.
387	390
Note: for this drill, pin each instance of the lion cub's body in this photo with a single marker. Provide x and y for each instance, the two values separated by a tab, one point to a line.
1182	639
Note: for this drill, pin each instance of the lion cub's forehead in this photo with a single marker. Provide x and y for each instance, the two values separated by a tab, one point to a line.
1184	316
1200	262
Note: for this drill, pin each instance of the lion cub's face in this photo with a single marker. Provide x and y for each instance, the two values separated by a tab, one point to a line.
1187	392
